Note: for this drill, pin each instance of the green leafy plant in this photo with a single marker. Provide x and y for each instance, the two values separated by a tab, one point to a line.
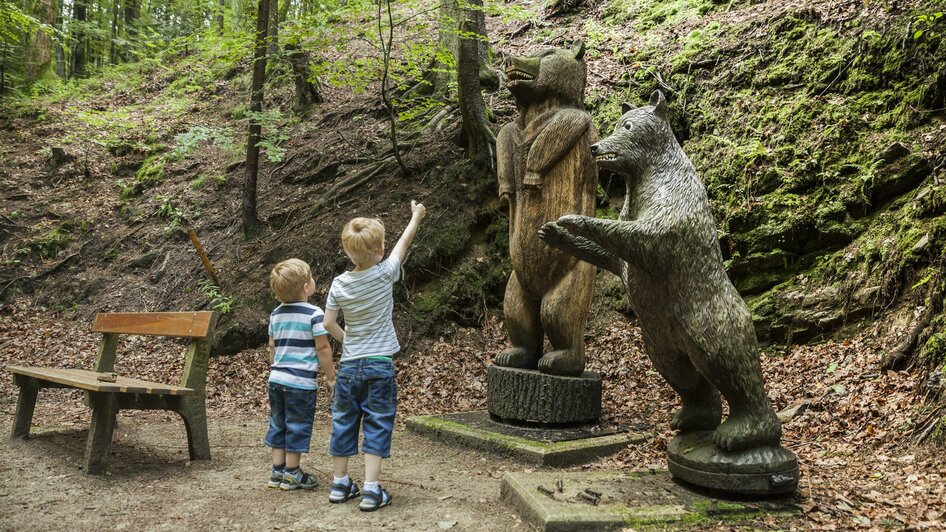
926	22
187	142
218	301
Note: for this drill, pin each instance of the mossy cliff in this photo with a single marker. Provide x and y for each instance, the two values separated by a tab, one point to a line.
819	137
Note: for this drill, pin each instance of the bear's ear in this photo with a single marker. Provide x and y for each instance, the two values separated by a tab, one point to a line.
627	106
660	104
578	49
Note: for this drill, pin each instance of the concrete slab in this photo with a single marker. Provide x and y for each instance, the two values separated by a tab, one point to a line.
557	501
553	447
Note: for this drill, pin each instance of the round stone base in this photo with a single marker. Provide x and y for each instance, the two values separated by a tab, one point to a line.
522	395
770	470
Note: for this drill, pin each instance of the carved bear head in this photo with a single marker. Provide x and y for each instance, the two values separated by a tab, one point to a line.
642	133
552	74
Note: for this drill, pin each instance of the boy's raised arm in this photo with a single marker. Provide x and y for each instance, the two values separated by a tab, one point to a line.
400	249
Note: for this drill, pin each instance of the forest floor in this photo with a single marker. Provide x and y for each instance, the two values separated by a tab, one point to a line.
860	467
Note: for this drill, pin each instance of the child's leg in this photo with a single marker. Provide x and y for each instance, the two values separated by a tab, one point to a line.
340	466
380	407
292	460
346	421
276	435
372	468
279	457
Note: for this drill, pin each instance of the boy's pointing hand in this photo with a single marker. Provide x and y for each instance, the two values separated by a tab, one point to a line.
418	209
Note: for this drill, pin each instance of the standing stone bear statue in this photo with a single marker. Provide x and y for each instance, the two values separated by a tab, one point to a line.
546	169
697	329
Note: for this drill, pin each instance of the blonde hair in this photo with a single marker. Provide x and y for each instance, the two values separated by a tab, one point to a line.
362	238
287	278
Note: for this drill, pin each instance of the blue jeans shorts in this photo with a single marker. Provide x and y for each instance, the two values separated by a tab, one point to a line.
291	411
365	398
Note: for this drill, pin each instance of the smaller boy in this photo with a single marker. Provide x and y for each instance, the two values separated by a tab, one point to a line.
298	345
366	396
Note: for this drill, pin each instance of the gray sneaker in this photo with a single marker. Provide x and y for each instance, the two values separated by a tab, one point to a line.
297	479
275	477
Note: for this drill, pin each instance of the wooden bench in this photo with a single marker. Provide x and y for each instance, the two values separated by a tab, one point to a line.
107	398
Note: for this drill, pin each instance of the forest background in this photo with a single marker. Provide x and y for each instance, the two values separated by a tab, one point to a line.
817	126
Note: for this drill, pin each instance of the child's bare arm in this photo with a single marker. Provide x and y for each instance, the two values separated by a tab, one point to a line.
272	350
324	352
400	249
331	325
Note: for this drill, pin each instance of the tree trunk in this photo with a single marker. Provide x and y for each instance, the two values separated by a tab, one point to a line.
78	53
439	73
111	50
307	92
250	219
386	53
273	47
223	9
480	139
130	22
40	54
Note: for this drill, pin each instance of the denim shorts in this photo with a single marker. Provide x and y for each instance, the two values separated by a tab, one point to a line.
291	411
365	398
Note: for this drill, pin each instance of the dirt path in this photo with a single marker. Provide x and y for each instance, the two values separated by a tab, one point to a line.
152	485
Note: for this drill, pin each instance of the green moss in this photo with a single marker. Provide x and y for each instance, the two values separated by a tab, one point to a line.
149	175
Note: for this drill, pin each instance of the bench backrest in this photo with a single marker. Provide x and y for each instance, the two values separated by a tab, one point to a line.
177	324
198	326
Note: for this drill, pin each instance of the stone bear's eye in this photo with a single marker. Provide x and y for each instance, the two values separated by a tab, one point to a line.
627	125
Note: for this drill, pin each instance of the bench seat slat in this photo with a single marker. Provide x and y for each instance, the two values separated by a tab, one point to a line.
88	380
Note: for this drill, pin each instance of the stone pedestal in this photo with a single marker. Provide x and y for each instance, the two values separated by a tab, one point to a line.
528	396
762	471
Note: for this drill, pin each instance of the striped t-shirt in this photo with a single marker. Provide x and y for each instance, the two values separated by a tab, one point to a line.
366	299
293	328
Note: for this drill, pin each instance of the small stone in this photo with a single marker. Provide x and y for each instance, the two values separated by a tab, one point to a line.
446	525
793	411
921	243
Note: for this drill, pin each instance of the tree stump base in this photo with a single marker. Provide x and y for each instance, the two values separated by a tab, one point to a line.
528	396
763	471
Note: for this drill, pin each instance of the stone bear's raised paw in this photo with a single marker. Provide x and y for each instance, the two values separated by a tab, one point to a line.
745	431
697	416
554	235
517	357
562	362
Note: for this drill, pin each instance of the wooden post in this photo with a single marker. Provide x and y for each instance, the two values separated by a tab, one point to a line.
105	361
25	404
203	257
104	408
193	408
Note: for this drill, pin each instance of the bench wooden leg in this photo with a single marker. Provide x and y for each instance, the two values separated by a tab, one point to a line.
24	406
194	413
104	409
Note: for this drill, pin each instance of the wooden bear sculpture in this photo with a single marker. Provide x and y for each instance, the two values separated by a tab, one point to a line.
546	170
697	329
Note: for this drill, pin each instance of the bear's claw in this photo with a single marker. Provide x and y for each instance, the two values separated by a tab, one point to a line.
517	357
561	362
745	431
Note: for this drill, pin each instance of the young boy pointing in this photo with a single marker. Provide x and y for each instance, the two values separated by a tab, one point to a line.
365	388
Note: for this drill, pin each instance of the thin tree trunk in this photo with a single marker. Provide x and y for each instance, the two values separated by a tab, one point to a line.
130	22
250	219
111	50
79	56
273	49
60	53
40	52
438	75
480	139
386	50
223	9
